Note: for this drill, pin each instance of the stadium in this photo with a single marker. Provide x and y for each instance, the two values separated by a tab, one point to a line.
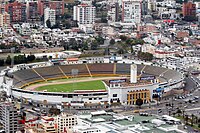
89	82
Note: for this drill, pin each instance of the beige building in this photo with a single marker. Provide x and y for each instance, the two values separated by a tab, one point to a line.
65	122
4	20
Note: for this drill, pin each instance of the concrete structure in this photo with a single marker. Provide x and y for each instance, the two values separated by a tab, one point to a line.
4	20
65	122
133	73
113	12
84	14
131	11
189	9
17	11
9	117
49	14
32	11
117	90
58	6
105	122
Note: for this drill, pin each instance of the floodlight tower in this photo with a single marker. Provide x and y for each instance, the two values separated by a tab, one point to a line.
133	78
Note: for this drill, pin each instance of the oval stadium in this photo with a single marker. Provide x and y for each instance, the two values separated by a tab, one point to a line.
90	82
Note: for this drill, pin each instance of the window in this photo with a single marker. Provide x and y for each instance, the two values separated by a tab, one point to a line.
114	95
90	98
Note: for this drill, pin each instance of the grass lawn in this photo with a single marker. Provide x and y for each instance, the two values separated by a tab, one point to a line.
70	87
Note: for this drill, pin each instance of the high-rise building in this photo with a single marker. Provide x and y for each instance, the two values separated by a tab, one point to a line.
17	11
42	4
9	117
32	11
131	11
113	12
49	14
189	9
2	8
4	20
84	14
65	122
58	6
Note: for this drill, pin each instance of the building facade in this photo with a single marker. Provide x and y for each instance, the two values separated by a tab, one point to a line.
9	117
84	14
131	11
17	11
32	11
4	20
189	9
65	122
49	14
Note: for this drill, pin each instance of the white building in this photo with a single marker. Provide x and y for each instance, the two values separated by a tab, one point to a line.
9	118
65	122
131	11
49	14
84	14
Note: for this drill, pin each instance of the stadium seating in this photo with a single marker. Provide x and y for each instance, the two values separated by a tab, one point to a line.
153	70
49	72
26	76
82	69
123	69
172	75
101	68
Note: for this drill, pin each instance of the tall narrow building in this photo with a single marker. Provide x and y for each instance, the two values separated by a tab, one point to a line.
49	14
17	11
84	14
131	11
9	117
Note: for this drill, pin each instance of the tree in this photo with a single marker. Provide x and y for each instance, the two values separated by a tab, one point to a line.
192	120
139	102
8	60
123	38
48	23
145	56
112	41
186	119
30	58
190	18
54	111
1	62
178	112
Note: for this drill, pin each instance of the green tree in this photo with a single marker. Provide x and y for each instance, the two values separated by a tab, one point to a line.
112	41
1	62
178	112
190	18
123	38
8	60
139	102
192	120
145	56
30	58
48	23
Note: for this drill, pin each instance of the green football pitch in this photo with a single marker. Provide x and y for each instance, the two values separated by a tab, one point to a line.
70	87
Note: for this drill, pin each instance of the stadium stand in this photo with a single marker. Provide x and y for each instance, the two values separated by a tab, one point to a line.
172	75
154	70
49	72
67	69
101	68
123	69
25	76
